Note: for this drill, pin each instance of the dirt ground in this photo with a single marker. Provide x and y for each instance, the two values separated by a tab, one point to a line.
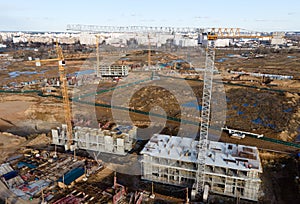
272	110
26	114
9	143
12	112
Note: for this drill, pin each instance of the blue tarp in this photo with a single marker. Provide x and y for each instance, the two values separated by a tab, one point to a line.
10	175
72	175
22	164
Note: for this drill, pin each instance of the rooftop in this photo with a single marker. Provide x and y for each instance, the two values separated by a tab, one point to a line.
219	154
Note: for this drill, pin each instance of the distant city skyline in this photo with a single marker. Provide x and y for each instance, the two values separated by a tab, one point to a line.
54	15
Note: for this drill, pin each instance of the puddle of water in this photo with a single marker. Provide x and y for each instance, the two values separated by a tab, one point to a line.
85	72
222	60
18	73
288	110
271	126
240	112
258	121
245	104
192	104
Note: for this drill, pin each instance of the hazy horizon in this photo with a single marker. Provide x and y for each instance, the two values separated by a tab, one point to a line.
53	16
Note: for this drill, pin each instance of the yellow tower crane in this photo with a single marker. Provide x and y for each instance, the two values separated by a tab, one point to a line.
64	90
233	33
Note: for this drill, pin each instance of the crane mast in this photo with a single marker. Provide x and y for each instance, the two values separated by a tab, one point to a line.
205	115
64	92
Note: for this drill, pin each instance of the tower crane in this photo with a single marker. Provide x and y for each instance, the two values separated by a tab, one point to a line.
212	34
64	90
232	33
199	186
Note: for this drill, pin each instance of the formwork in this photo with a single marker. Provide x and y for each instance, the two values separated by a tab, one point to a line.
118	141
230	169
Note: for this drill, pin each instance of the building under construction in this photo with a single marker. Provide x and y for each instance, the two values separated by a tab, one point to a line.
117	141
230	169
113	71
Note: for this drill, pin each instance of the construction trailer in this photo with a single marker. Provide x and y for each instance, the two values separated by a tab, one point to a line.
230	169
118	141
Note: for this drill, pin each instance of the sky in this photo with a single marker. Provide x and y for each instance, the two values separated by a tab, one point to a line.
54	15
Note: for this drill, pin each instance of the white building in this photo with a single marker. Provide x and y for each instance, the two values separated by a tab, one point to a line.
223	42
278	38
231	169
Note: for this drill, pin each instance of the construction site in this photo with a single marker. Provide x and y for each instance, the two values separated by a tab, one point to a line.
152	117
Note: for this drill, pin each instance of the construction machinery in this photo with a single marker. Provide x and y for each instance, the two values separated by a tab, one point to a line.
64	90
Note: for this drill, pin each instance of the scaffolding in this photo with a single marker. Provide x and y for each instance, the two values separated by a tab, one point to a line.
113	71
230	169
